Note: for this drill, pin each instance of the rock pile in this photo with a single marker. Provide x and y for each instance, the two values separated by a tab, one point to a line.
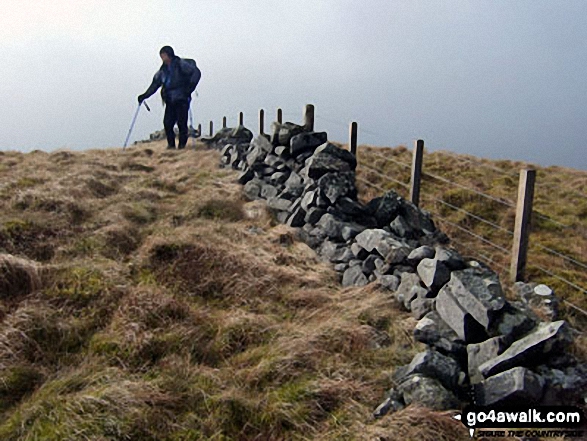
481	348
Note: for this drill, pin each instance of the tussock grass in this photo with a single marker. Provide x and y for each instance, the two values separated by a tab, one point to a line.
171	309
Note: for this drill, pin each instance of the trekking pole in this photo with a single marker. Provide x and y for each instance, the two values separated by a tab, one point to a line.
133	123
191	131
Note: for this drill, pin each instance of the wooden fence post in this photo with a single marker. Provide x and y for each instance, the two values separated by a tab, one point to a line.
211	128
224	122
200	130
417	159
241	119
279	116
522	226
309	117
261	121
353	138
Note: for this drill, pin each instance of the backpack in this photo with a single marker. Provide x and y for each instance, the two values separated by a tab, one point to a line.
197	74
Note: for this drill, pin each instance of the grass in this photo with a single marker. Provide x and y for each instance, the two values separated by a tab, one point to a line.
169	308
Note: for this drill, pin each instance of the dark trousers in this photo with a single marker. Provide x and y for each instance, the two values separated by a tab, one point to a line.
176	113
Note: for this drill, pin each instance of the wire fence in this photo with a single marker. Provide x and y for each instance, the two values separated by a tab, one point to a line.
487	239
384	169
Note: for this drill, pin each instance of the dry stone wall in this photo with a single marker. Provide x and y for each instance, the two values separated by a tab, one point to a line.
481	348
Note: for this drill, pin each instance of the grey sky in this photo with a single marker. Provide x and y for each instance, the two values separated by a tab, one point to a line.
498	78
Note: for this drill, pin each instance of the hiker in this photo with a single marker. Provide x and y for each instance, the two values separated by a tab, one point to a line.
178	78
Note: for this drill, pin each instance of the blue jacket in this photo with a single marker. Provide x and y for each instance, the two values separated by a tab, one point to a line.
177	81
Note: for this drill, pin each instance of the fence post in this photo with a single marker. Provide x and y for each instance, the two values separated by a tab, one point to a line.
261	121
279	116
522	226
224	122
353	138
417	159
309	117
211	128
200	130
241	119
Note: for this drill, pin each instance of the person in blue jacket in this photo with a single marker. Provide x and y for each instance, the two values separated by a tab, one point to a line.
178	78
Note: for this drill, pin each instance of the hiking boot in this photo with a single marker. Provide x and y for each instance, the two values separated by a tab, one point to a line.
170	147
181	147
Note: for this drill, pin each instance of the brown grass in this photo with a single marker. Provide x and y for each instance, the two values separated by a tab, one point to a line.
168	308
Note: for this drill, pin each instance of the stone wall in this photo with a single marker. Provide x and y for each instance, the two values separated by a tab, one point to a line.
481	348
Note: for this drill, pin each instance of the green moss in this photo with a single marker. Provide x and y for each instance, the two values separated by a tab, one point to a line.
16	382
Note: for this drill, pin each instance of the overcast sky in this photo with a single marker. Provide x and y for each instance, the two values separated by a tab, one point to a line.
494	78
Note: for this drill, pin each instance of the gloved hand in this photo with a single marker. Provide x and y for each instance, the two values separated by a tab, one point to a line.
141	98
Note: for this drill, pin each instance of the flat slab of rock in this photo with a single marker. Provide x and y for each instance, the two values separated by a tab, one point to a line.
514	386
531	349
479	353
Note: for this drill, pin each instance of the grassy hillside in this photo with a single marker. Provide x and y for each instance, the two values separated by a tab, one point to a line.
145	300
559	222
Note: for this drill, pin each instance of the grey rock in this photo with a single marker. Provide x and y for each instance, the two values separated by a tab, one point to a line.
400	227
359	252
478	293
379	240
351	207
355	262
417	218
350	230
268	191
297	218
282	151
515	386
333	186
433	273
427	392
398	254
435	365
392	403
252	189
328	158
293	180
513	323
384	208
354	277
479	353
314	215
539	297
287	131
307	141
369	264
434	332
246	176
451	259
279	178
341	267
331	226
457	317
309	200
389	282
255	156
531	349
421	306
278	204
423	252
565	386
409	288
